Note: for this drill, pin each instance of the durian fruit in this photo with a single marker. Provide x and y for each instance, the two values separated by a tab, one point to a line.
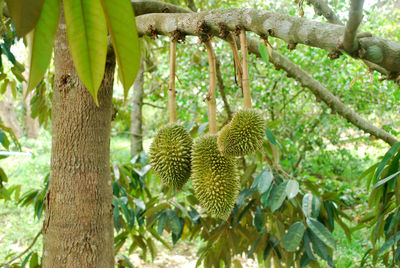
243	135
214	177
170	154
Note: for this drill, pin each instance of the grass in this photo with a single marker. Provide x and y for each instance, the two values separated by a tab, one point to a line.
19	226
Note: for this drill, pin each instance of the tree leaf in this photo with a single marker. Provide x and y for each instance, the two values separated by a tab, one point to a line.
87	38
389	154
293	237
292	189
311	205
385	180
321	232
270	136
122	27
41	42
263	181
246	193
25	260
389	243
264	52
161	223
173	222
25	14
278	196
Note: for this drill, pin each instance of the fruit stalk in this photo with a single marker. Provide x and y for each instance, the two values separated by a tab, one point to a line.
212	107
171	86
245	66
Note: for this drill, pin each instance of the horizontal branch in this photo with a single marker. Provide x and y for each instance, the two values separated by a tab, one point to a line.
323	93
322	8
165	24
380	51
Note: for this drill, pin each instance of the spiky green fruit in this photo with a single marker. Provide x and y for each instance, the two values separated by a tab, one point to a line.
214	177
243	135
170	155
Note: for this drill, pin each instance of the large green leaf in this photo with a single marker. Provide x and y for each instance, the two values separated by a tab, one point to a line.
173	222
311	205
293	237
292	189
25	14
321	232
278	196
122	27
263	181
87	38
389	154
42	41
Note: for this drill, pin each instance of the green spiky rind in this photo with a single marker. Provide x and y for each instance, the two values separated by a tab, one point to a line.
214	177
170	155
245	134
223	133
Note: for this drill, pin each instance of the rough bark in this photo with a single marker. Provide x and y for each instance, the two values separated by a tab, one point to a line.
7	113
78	229
321	7
383	52
136	115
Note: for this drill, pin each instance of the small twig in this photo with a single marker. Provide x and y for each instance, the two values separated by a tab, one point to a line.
292	98
321	8
212	106
245	66
153	105
25	251
350	41
171	88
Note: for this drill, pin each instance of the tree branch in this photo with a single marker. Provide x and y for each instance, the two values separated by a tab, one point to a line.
259	21
155	106
321	8
153	6
322	93
350	41
385	53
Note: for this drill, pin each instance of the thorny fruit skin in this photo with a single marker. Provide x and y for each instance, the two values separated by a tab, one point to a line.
214	177
243	135
170	155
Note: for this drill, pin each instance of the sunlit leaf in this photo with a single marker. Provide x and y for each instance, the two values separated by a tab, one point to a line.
292	189
41	42
321	232
25	14
122	27
293	237
263	181
87	38
278	196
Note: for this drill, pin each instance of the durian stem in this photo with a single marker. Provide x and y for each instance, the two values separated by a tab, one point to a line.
245	66
212	107
232	43
171	86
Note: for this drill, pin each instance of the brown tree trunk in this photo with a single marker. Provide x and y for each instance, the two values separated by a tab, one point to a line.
78	229
136	115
